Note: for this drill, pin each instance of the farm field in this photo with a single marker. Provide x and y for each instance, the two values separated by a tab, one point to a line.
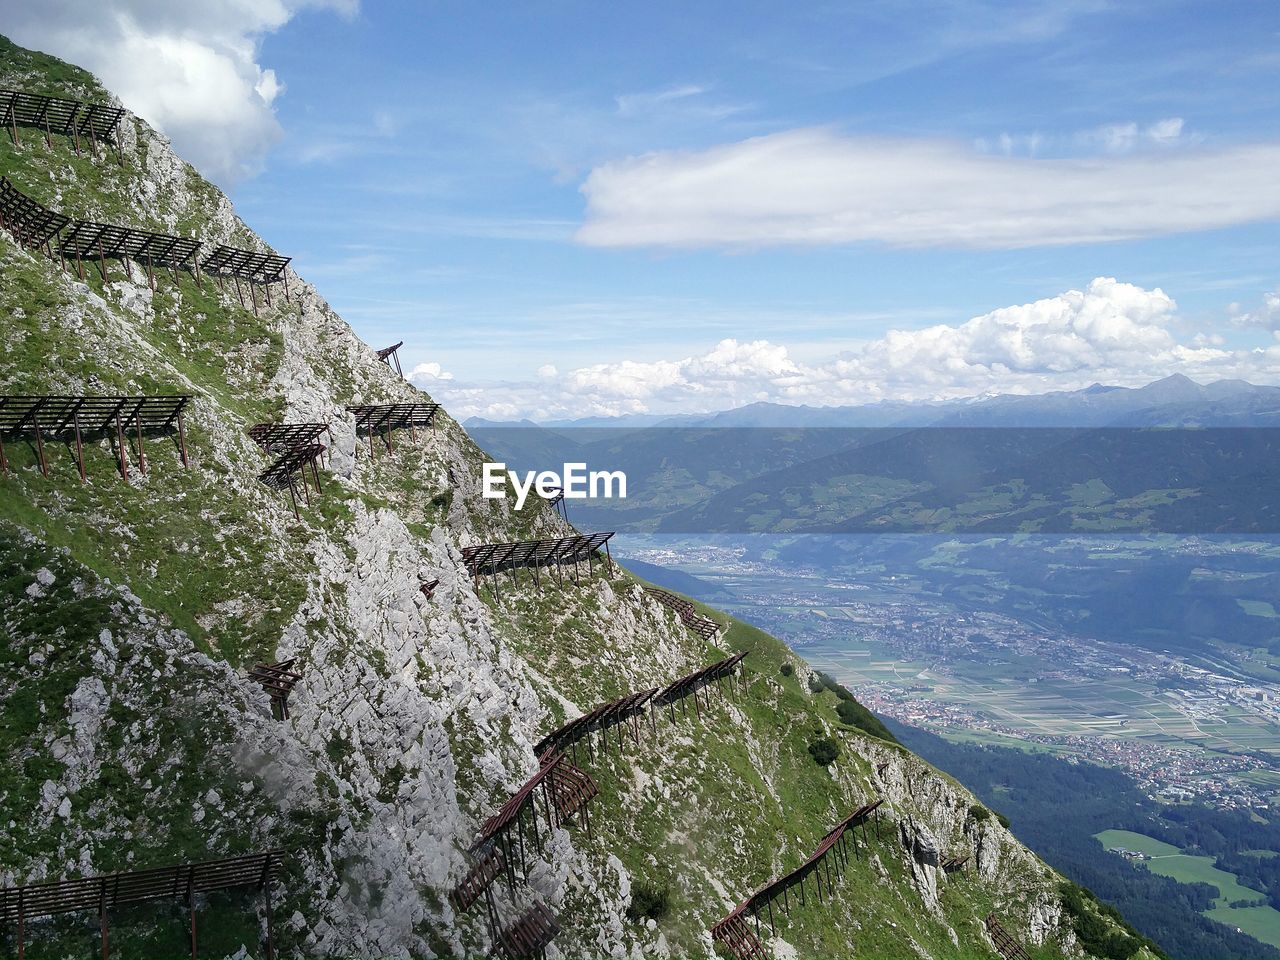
1139	842
1260	922
1167	860
1021	692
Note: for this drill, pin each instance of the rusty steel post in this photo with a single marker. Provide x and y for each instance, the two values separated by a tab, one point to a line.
142	454
191	909
182	439
79	449
44	463
124	461
266	896
102	918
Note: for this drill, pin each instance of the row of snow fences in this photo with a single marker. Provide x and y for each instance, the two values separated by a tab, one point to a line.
252	266
296	448
32	224
1008	947
564	791
71	118
703	626
380	419
282	437
391	355
89	240
72	419
954	863
529	936
555	500
825	863
627	710
39	228
688	686
295	461
558	792
278	679
102	894
535	927
493	558
605	717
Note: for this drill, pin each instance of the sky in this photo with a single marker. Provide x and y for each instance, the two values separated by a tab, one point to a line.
579	209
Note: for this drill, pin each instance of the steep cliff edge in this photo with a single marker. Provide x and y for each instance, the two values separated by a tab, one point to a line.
130	613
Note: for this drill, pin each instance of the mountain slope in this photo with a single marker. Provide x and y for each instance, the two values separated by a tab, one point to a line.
129	614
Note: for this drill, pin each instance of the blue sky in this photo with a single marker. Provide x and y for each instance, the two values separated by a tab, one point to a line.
463	177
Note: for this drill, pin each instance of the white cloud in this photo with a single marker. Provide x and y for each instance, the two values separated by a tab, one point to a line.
1127	137
813	186
633	103
425	372
1266	315
190	69
1165	131
1109	332
684	103
1111	138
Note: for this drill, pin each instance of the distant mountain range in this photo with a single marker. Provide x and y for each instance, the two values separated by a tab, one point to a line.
1174	401
1167	457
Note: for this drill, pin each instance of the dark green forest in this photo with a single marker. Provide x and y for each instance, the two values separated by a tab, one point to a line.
1056	806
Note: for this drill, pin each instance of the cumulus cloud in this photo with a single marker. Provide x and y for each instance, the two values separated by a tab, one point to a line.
814	186
425	372
1112	332
189	69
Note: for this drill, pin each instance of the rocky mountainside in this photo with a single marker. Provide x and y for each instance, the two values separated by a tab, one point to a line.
130	614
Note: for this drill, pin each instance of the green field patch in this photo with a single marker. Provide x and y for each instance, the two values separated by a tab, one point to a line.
1188	869
1167	860
1257	608
1262	923
1137	842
